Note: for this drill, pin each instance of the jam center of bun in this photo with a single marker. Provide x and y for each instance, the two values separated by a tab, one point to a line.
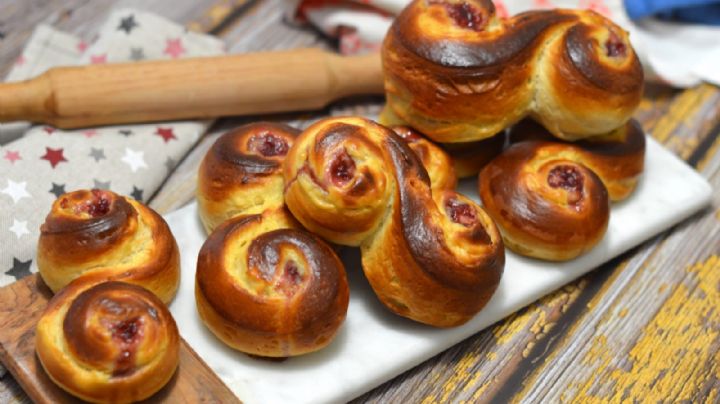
290	279
127	333
464	14
268	145
342	168
460	212
614	46
568	178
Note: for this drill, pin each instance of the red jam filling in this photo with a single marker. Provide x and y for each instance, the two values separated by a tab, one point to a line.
127	332
568	178
464	15
460	212
614	46
290	279
342	168
268	145
98	205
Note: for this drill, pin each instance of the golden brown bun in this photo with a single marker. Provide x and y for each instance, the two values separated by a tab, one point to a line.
241	173
458	73
267	289
108	342
469	158
99	235
618	157
546	203
434	258
436	161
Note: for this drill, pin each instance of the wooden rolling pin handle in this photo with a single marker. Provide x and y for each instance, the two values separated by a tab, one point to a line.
255	83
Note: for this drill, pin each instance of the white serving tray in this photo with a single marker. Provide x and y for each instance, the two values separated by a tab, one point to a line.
375	345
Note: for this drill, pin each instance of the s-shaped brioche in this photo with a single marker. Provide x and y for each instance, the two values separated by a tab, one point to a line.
545	201
99	235
111	342
618	157
241	173
434	258
458	73
265	288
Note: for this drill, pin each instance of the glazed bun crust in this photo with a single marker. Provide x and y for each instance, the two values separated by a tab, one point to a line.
99	235
618	157
241	173
436	161
546	205
457	73
265	288
107	342
433	256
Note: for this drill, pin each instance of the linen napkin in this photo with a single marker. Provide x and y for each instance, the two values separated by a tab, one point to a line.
681	55
39	163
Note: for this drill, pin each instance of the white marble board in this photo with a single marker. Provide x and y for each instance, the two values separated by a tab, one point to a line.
374	345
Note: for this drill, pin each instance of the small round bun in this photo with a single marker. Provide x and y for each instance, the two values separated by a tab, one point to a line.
546	205
99	235
107	342
241	173
268	289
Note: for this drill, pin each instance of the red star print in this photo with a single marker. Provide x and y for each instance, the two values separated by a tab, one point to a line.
12	156
597	6
165	133
49	130
20	60
98	59
501	10
90	133
54	156
174	48
82	46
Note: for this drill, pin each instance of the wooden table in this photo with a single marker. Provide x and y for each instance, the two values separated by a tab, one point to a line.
643	327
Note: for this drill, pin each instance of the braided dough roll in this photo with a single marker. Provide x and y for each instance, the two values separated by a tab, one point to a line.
434	258
618	157
99	235
241	173
107	342
458	73
267	289
545	201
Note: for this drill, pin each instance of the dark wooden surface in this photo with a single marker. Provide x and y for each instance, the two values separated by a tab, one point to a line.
644	327
21	305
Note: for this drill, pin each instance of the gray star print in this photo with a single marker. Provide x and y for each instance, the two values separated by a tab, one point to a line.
101	184
97	154
137	54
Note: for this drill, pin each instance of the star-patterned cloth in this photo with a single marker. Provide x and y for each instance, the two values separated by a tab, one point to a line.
40	163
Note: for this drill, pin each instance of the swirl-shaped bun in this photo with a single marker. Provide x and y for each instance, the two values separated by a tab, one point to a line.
436	161
107	342
267	289
546	203
99	235
457	73
241	173
434	258
618	157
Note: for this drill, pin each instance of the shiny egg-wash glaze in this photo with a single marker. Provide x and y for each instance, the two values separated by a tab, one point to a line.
458	73
99	235
108	342
434	258
546	205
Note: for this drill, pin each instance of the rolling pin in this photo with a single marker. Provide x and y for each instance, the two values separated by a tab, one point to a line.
254	83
